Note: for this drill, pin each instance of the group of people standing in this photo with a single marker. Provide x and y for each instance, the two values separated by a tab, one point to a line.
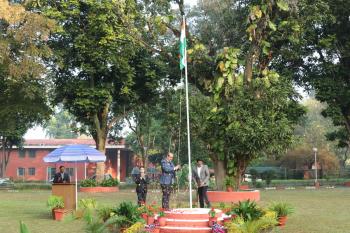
200	174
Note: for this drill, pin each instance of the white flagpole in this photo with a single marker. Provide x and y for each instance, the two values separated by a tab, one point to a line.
188	123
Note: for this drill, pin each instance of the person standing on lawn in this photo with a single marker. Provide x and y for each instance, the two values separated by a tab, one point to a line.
167	178
141	181
201	176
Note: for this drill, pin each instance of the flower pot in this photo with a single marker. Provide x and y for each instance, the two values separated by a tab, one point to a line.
282	221
150	220
162	221
229	189
227	220
58	214
212	220
144	216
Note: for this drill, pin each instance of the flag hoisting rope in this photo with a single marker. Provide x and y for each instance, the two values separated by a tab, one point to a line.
183	65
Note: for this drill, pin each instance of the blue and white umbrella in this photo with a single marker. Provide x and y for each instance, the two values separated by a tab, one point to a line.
75	154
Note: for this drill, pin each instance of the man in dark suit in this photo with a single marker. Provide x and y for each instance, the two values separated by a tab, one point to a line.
201	176
167	178
61	176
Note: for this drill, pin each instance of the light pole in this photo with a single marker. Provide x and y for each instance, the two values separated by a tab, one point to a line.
315	151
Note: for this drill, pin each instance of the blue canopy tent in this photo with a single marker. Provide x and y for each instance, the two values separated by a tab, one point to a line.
77	154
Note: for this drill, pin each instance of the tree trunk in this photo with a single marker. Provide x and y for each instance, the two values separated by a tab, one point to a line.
100	167
220	173
241	166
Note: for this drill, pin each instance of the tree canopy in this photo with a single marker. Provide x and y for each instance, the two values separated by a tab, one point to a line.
23	93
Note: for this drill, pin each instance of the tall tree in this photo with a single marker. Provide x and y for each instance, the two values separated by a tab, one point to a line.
23	95
255	109
103	65
320	60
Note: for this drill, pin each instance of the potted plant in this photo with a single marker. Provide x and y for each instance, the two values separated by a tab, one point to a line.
56	204
212	217
143	211
229	184
150	218
161	218
247	210
282	210
150	213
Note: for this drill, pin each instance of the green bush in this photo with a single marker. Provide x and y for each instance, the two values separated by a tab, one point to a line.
126	214
229	182
282	209
105	213
55	202
109	182
88	183
247	210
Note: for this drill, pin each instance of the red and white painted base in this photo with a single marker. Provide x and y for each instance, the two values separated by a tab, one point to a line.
188	220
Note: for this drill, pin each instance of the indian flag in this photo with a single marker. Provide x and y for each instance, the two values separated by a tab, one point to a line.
183	59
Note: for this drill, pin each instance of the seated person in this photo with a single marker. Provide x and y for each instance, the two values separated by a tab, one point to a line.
61	176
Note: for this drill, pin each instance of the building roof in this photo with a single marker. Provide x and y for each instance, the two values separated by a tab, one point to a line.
56	143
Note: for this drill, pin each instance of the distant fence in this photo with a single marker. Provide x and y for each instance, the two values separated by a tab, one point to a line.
299	174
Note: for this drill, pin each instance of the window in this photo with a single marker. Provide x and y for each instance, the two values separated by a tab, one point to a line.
32	153
20	171
70	171
51	171
21	153
31	171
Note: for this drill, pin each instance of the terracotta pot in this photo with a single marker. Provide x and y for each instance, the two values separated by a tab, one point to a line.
144	216
150	220
162	221
229	189
58	214
227	220
212	221
282	221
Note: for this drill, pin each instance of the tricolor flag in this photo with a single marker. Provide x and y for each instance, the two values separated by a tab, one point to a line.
183	59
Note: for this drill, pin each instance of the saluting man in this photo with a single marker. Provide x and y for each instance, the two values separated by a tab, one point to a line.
167	177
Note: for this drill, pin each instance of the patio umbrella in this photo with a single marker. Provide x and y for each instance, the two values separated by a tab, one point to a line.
77	154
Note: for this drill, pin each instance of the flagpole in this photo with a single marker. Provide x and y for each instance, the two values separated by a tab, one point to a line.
188	122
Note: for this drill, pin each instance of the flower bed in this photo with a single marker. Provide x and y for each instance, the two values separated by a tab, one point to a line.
233	197
105	186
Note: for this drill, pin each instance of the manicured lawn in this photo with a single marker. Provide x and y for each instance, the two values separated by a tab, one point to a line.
321	211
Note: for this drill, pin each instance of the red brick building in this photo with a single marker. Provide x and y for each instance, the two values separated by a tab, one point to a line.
28	164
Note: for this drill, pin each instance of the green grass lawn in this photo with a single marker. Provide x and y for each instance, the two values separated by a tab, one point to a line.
321	211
